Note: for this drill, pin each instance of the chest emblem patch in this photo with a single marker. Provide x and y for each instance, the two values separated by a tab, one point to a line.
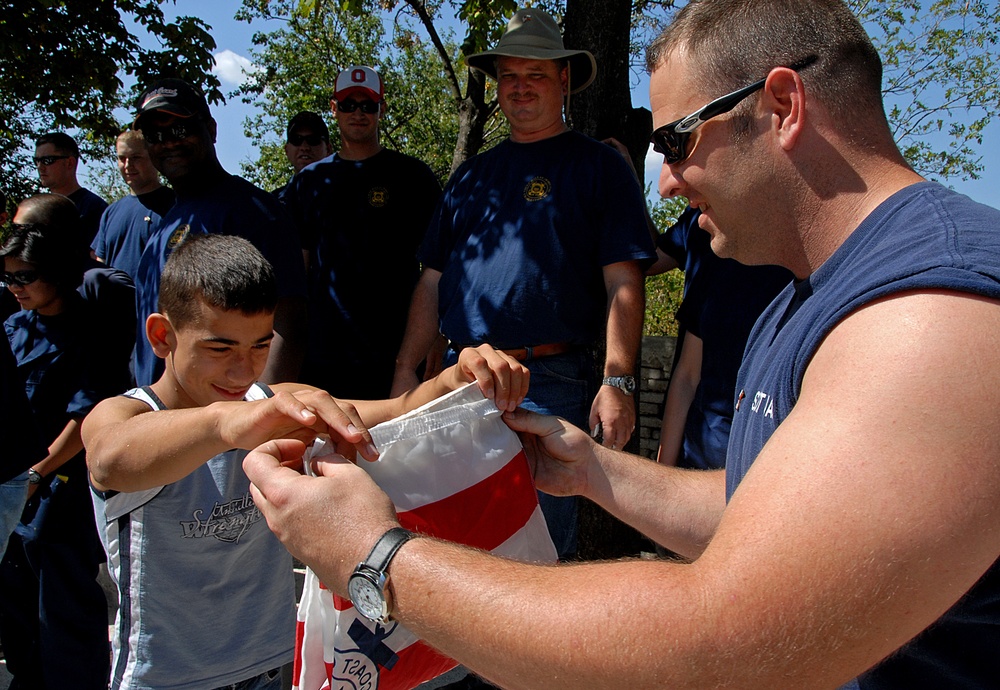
377	196
537	189
177	236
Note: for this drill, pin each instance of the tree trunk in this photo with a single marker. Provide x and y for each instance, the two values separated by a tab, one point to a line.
601	111
605	109
473	114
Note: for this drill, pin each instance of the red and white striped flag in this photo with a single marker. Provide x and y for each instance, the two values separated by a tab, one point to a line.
455	471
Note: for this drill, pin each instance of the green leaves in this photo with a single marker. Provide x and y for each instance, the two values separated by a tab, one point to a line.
62	67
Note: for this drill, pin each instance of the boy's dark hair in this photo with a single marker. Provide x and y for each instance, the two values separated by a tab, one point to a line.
224	271
49	238
62	141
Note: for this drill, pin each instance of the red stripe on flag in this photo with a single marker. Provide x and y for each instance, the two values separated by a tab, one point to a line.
300	630
341	603
460	517
417	663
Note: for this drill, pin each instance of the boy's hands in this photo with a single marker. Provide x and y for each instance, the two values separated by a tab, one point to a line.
500	376
301	415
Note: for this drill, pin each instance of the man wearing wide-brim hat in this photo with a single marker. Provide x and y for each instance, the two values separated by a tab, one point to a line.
537	247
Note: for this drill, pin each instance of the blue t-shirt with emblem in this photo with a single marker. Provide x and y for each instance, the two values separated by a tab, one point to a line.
126	227
521	236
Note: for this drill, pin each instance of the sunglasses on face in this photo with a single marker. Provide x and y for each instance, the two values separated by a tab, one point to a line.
367	107
19	278
174	132
672	138
48	160
311	139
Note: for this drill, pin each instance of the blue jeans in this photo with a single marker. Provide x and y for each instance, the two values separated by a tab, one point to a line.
13	495
269	680
562	385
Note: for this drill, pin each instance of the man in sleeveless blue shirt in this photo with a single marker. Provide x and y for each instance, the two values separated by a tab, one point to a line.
855	544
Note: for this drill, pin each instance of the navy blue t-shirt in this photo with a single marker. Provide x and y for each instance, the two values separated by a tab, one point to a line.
229	206
923	237
90	207
23	444
126	227
362	222
521	236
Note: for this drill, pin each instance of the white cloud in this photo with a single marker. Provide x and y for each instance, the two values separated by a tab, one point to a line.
232	68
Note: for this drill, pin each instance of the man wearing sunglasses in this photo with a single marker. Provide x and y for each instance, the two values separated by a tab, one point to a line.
180	132
852	540
307	140
56	159
362	213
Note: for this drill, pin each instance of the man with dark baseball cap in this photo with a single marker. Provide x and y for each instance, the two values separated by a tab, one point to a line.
172	97
180	133
307	140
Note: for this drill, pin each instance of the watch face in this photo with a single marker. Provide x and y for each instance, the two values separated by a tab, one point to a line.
628	383
367	597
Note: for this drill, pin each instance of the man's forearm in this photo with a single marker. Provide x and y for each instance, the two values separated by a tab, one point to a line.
421	330
626	311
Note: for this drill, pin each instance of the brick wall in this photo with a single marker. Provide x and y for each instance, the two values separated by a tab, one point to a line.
656	361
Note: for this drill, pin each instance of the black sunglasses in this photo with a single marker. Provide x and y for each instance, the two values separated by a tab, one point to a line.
368	107
19	278
174	132
672	138
49	160
311	139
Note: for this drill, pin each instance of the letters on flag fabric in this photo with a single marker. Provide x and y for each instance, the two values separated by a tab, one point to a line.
455	471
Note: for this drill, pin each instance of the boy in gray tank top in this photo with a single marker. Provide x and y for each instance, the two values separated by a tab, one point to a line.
206	591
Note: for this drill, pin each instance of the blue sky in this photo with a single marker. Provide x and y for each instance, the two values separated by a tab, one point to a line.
233	39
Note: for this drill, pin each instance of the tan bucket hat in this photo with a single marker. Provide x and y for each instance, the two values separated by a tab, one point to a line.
534	34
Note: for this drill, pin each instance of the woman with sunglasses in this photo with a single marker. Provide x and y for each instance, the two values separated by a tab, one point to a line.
54	612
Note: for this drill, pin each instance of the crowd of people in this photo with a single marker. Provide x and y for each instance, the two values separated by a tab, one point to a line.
828	476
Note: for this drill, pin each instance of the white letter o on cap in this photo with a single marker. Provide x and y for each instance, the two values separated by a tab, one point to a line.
358	76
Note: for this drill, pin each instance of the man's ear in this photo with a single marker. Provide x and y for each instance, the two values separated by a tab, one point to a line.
785	95
213	128
160	333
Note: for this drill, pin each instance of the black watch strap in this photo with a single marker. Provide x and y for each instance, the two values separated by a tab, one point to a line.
386	547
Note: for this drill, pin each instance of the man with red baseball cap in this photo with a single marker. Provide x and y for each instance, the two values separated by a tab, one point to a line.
362	214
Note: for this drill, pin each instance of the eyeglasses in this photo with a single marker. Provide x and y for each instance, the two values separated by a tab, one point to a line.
672	138
368	107
311	139
19	278
49	160
174	132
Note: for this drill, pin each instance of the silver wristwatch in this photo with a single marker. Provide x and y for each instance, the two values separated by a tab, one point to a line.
367	584
626	384
34	476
